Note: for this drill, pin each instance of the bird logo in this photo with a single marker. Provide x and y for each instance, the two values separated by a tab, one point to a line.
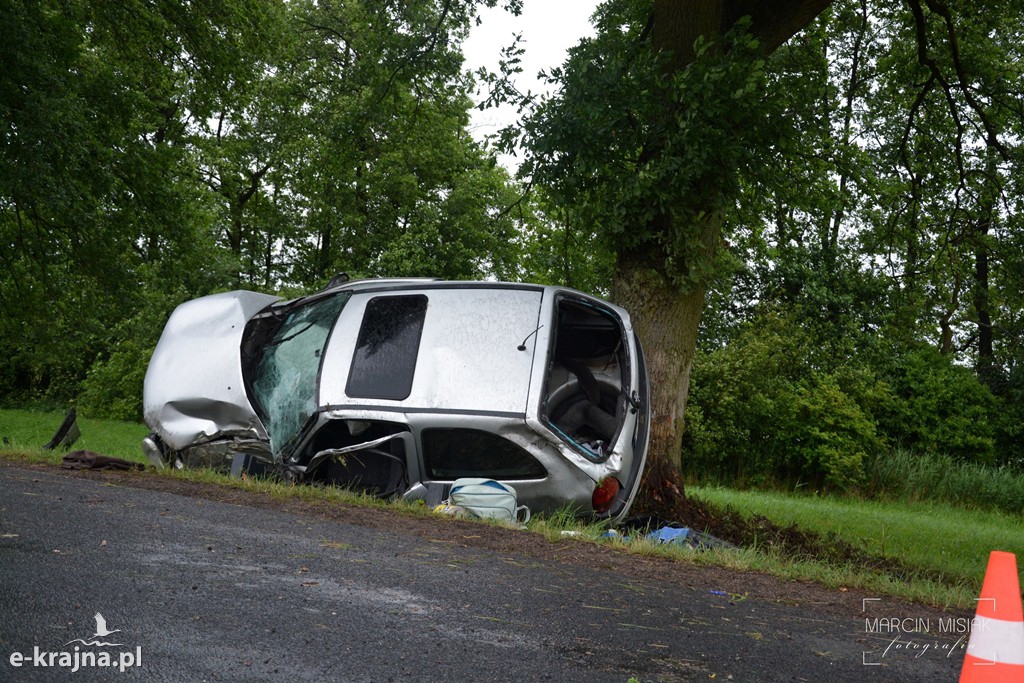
101	632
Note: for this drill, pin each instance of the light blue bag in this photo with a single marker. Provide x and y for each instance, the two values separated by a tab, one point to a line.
488	499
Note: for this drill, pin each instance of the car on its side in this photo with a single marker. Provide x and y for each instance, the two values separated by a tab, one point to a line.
401	386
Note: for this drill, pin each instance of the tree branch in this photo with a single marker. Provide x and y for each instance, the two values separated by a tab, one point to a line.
941	9
773	23
929	62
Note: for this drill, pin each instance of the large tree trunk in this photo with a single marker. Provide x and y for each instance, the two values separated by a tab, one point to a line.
667	320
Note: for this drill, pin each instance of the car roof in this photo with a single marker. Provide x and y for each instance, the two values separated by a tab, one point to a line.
375	284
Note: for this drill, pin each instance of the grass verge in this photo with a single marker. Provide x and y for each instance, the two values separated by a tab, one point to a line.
28	430
936	537
932	537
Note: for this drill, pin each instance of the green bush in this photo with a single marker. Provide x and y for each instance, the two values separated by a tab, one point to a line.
764	409
783	403
1009	421
113	387
739	396
939	407
833	436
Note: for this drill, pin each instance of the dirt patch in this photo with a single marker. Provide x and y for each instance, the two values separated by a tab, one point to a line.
661	498
655	569
790	541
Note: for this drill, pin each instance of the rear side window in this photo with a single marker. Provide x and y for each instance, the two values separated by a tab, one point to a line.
454	453
384	361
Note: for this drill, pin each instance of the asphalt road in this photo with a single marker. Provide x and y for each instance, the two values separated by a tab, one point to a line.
201	590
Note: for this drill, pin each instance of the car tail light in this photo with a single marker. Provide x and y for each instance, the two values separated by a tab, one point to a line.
604	494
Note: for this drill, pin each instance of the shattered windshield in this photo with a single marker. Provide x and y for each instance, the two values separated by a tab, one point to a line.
285	379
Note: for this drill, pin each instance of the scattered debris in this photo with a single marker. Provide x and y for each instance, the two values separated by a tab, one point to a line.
67	433
87	460
689	538
451	510
670	533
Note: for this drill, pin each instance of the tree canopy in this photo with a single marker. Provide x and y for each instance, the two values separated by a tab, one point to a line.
157	152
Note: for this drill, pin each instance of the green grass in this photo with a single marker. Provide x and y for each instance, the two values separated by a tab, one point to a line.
28	430
287	490
932	536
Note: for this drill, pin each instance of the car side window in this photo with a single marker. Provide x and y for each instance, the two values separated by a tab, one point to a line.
387	347
455	453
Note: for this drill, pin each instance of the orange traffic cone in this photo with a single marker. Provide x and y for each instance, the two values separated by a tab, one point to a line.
995	651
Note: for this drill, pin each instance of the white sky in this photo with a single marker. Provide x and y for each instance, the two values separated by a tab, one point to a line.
549	28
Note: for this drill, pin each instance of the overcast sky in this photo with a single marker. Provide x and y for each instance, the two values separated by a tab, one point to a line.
549	28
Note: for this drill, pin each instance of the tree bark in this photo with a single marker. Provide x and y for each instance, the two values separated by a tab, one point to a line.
666	321
678	25
981	295
774	22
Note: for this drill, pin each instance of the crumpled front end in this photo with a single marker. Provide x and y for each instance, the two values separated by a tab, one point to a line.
194	390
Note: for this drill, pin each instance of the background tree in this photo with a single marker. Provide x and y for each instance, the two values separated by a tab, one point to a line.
98	195
895	315
154	153
656	116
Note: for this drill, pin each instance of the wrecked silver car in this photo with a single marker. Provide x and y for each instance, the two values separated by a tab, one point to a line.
399	387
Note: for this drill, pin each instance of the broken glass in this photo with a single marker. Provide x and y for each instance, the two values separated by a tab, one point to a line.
285	380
